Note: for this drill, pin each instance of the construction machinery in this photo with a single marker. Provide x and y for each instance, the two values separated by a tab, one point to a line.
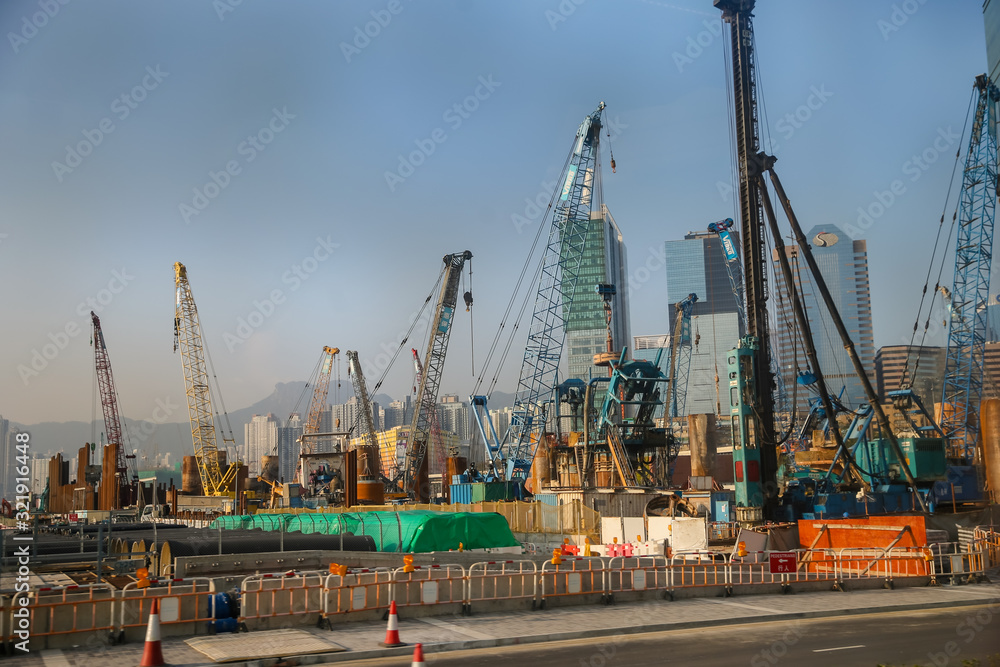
321	389
751	378
371	489
433	367
575	202
680	363
963	381
215	480
119	479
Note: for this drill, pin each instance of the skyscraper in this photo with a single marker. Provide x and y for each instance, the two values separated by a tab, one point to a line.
586	325
697	265
288	447
261	440
844	265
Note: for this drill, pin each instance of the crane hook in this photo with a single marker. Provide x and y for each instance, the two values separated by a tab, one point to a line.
612	165
468	300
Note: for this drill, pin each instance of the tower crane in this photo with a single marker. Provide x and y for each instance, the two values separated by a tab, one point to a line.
188	338
576	198
425	410
963	380
117	491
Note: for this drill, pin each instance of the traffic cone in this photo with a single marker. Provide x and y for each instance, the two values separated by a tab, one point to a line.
152	652
418	656
392	631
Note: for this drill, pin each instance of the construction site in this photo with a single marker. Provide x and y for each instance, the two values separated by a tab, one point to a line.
604	487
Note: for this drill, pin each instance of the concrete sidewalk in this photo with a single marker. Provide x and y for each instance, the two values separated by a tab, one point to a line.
484	630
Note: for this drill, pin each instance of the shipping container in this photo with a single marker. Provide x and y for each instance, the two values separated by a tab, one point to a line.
461	494
498	491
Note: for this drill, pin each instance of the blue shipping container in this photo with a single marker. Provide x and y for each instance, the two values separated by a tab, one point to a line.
461	493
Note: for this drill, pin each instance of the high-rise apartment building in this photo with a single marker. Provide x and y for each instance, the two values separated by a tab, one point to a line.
603	262
289	447
261	437
844	265
696	264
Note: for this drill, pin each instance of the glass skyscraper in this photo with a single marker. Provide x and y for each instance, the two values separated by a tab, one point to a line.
586	325
844	265
697	265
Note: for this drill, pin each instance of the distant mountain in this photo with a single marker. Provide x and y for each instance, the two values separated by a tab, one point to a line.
148	438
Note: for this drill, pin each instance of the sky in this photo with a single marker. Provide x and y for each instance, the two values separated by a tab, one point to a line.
267	146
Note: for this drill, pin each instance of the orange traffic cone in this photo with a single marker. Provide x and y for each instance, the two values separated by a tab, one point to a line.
152	652
418	656
392	631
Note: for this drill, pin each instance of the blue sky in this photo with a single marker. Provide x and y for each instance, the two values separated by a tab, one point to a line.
200	79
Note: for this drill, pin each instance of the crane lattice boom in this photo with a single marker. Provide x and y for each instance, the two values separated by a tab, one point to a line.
187	337
120	486
320	391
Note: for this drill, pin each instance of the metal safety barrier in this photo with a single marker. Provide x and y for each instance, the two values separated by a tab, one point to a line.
61	611
428	585
690	569
363	589
183	604
271	596
959	562
575	575
501	580
636	573
989	541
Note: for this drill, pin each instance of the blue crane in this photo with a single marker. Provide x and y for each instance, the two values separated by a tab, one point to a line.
680	361
963	381
559	273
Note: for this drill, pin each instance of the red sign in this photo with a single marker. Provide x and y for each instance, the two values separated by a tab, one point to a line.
782	562
74	517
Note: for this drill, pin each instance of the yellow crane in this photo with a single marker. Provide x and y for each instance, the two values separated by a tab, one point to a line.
187	337
320	391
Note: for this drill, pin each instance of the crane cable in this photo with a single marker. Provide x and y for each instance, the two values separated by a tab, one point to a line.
497	340
937	239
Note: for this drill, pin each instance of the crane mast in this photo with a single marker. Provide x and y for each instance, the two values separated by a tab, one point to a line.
424	413
370	467
963	382
755	451
320	391
188	338
117	490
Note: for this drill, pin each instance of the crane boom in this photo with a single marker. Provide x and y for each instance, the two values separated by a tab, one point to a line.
320	391
371	466
433	367
187	337
963	381
117	489
574	202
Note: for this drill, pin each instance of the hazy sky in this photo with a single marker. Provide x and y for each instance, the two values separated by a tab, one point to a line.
122	118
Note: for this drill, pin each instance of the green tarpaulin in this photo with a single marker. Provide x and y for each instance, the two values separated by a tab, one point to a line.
418	530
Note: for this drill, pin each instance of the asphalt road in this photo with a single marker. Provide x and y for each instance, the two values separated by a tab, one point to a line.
910	638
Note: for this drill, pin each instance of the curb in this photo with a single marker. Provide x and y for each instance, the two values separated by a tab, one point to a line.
444	647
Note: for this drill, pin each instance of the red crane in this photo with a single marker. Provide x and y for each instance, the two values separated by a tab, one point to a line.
120	489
